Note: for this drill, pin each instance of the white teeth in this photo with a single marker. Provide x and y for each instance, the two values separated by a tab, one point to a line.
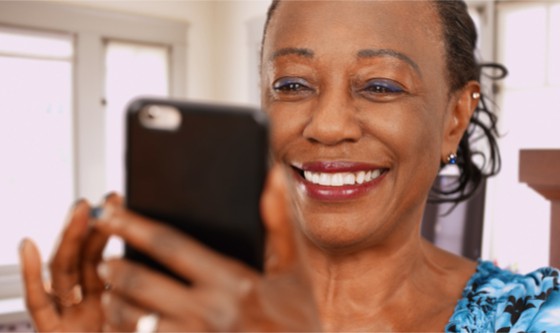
325	179
315	178
349	179
361	177
341	178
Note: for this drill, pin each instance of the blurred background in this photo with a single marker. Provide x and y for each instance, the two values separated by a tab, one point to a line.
68	68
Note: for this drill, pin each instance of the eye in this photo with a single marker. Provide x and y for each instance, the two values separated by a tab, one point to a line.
290	85
383	87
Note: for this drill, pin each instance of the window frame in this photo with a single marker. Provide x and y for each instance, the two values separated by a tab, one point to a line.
90	28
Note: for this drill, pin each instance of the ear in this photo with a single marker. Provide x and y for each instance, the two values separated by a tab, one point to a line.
460	110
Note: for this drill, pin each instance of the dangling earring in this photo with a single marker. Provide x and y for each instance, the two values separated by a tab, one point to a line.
452	159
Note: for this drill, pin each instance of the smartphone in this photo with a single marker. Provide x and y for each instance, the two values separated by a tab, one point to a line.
199	168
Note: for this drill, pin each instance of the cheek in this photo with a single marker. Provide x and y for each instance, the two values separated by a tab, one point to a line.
412	134
410	131
421	142
287	123
421	161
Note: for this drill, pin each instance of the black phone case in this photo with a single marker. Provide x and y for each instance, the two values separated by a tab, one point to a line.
204	179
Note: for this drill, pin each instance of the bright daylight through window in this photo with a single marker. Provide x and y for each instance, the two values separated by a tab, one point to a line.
130	70
36	173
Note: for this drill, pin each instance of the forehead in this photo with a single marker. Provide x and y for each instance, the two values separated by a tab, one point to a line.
410	27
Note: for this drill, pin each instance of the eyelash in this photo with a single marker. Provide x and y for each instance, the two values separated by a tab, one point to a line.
376	88
290	85
383	87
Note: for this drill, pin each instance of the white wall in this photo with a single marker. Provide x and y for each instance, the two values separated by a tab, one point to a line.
235	50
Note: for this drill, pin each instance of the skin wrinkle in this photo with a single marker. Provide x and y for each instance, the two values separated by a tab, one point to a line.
372	53
367	260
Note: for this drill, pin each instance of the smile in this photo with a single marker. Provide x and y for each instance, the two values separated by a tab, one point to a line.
338	181
341	178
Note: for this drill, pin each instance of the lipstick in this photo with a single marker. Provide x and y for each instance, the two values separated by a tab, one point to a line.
338	180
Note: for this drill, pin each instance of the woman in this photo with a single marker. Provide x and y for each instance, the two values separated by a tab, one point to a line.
368	100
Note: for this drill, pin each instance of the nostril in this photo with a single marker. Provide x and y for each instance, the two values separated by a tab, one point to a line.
330	132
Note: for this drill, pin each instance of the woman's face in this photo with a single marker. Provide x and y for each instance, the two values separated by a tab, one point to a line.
359	103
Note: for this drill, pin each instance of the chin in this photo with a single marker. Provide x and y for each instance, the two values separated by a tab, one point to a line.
338	233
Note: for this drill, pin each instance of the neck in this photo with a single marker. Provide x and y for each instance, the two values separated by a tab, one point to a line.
383	264
366	287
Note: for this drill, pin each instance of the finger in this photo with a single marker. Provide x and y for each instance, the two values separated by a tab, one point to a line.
91	257
92	254
122	316
65	264
42	309
119	315
275	209
215	307
114	199
147	288
175	250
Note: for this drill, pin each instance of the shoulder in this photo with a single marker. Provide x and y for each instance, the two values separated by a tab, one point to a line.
498	300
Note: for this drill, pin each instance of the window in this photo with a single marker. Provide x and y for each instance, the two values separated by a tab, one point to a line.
56	138
131	69
35	136
528	44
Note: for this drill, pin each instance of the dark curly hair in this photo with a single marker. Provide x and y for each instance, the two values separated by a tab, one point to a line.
460	36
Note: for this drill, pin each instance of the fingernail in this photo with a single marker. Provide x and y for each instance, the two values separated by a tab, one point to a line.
77	203
108	196
103	271
102	214
96	212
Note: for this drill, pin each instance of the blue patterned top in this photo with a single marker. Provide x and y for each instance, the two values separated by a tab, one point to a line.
497	300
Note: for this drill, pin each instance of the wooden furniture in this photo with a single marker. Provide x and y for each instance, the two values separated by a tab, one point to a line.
540	169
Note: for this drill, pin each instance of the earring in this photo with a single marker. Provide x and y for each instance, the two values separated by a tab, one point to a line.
452	159
475	95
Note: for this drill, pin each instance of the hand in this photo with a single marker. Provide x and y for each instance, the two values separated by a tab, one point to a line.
225	295
72	302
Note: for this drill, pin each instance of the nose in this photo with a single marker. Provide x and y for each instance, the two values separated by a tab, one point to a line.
334	120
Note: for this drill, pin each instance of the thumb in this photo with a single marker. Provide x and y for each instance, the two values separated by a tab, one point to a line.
281	249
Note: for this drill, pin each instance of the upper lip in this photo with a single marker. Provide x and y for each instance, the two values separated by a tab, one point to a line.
336	166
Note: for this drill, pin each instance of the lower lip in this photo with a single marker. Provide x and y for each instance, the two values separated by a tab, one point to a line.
337	193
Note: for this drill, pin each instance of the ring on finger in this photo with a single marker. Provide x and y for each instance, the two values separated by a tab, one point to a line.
147	323
69	298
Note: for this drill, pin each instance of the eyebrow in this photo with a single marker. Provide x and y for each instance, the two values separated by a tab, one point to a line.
365	53
302	52
373	53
